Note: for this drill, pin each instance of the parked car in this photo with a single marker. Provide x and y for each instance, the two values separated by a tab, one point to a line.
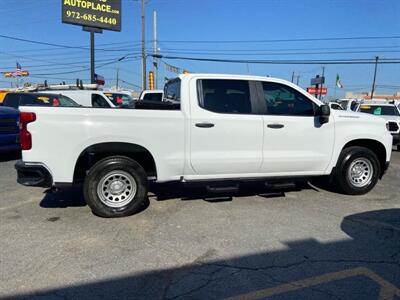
9	129
388	111
228	129
87	98
16	100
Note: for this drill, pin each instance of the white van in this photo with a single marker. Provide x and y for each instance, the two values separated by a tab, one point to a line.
87	98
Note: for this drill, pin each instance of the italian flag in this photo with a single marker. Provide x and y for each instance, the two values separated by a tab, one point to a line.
338	83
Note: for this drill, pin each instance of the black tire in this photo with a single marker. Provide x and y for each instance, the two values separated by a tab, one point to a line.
343	181
106	168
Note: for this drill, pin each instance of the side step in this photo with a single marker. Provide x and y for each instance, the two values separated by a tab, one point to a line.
223	189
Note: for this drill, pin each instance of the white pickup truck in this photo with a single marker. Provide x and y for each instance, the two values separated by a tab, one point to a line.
228	128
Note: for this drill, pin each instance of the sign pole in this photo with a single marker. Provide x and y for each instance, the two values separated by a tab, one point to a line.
92	58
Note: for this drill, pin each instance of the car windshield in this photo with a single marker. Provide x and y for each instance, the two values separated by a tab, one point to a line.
119	99
380	110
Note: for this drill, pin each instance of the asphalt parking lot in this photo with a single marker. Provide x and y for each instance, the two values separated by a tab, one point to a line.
308	244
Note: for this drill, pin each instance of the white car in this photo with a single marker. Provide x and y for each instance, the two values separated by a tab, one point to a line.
227	129
87	98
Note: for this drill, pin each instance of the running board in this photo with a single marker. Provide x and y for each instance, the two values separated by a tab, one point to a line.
280	186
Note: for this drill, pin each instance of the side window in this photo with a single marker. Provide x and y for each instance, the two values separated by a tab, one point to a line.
225	96
284	100
28	100
99	102
11	100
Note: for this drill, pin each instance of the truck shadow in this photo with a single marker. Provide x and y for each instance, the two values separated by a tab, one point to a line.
364	266
185	192
68	197
73	196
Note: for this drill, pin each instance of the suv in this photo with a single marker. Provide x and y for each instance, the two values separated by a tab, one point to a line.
389	112
16	100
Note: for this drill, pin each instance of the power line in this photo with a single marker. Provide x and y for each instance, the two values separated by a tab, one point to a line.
284	40
289	62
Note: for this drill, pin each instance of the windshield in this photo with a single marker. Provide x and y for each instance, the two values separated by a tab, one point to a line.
379	110
172	90
119	99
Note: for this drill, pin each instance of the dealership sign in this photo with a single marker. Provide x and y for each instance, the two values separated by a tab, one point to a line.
317	91
104	14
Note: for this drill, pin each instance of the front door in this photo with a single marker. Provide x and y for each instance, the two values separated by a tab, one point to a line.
295	143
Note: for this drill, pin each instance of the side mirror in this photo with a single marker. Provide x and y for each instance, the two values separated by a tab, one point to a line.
324	113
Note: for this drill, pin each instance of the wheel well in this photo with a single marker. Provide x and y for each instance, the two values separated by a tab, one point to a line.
373	145
96	152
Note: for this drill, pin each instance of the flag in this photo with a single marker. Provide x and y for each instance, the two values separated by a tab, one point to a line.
99	79
18	71
338	83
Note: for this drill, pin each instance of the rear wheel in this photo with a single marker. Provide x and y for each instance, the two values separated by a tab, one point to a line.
357	171
116	187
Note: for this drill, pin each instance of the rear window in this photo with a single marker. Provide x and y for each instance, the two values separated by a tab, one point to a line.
153	97
172	90
119	99
379	110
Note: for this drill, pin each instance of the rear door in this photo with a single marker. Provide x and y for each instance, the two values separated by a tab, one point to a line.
226	135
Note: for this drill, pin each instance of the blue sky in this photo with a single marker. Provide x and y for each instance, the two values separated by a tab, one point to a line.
180	21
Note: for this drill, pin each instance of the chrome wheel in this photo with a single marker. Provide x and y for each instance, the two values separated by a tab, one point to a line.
116	189
360	172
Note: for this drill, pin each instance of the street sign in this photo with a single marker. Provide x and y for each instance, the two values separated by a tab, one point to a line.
105	14
318	80
317	91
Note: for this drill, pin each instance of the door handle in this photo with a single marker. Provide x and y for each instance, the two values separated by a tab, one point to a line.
275	126
204	125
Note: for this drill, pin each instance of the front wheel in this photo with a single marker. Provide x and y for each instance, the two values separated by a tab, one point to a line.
116	187
357	171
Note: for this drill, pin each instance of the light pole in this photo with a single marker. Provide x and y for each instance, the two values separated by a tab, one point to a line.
373	83
143	49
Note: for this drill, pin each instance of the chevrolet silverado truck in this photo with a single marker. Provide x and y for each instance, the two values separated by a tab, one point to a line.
227	128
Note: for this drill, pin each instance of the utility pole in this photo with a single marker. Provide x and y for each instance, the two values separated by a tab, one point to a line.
322	83
298	78
292	76
155	60
92	71
373	83
144	69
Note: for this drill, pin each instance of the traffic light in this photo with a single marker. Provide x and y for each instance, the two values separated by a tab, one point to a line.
151	80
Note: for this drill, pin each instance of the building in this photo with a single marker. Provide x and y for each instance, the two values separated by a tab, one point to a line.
367	95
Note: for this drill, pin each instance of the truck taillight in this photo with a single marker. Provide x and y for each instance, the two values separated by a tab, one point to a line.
25	136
